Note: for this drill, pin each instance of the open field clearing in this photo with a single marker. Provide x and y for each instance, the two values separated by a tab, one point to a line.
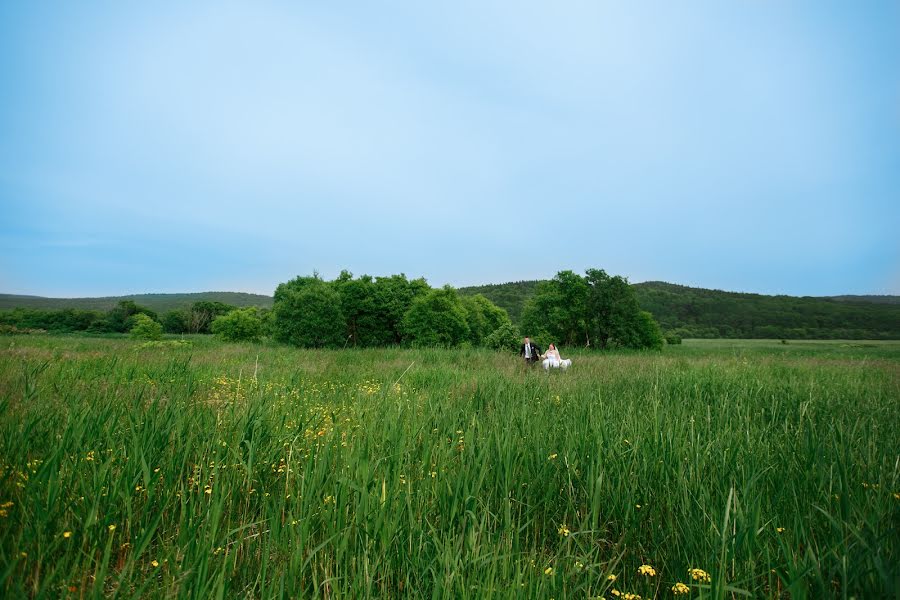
714	469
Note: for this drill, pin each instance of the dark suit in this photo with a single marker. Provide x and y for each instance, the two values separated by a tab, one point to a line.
535	352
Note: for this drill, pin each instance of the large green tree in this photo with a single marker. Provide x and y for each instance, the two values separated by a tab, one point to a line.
483	318
437	319
393	298
596	310
308	313
557	311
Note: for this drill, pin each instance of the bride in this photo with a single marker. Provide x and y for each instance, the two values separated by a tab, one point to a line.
552	359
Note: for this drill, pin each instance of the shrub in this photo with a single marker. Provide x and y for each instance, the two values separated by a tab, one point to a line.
673	338
145	328
242	325
505	337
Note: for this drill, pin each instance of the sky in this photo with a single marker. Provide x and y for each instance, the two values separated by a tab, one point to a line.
180	147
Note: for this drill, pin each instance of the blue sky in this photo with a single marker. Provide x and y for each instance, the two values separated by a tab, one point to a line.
170	147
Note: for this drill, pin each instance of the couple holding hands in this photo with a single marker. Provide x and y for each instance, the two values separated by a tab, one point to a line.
532	354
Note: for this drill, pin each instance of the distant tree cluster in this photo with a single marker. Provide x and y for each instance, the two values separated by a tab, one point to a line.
595	310
199	317
380	311
118	320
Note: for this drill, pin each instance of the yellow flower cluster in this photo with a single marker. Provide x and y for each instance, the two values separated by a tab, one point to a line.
563	530
680	588
647	570
699	575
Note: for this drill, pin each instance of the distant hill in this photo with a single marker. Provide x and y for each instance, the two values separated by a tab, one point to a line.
874	299
160	303
510	296
698	312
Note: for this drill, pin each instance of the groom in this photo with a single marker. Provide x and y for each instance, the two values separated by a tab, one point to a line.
530	352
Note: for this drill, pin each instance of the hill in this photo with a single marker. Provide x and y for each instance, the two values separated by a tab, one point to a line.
160	303
699	312
509	296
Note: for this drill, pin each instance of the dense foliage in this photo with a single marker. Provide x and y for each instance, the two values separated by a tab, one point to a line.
379	311
592	310
737	470
308	313
145	328
240	325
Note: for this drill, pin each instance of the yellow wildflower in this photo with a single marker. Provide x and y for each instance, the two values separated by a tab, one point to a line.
111	528
611	577
548	571
563	530
680	588
647	570
699	575
615	592
67	534
154	563
629	596
552	456
779	529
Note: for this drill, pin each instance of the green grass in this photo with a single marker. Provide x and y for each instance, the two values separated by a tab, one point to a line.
447	474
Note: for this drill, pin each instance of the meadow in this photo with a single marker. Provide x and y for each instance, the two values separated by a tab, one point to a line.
714	469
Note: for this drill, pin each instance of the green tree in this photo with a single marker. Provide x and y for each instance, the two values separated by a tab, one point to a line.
202	313
558	310
241	325
145	328
120	318
308	313
176	321
436	319
594	310
505	337
483	317
358	304
393	298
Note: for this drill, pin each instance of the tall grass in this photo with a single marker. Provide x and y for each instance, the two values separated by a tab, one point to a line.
212	470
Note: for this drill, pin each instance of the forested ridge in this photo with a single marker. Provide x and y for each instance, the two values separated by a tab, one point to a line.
698	312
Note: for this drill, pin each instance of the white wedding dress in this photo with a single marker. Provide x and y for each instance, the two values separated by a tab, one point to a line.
552	359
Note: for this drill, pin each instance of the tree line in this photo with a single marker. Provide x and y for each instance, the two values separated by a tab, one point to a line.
595	310
196	318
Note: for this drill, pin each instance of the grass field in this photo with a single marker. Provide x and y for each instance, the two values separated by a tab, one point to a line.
209	470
